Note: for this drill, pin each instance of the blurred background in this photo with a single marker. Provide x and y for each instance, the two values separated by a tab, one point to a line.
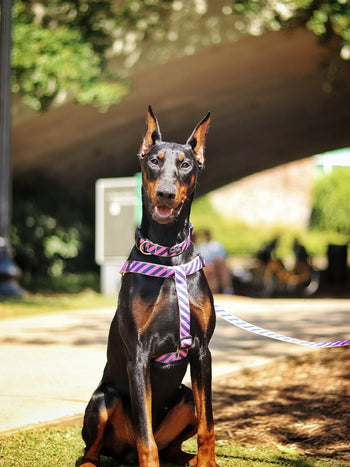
274	74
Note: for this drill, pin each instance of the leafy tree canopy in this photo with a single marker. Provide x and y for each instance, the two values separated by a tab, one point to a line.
62	49
58	53
328	19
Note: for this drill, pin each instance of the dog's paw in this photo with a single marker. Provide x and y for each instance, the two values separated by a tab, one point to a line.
89	463
195	462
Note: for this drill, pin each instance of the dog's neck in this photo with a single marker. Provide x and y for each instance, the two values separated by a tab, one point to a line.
167	234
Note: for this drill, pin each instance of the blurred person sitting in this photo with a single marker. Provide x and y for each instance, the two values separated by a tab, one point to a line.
271	271
301	272
216	271
268	251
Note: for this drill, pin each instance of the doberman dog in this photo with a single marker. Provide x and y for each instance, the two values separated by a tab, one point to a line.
140	410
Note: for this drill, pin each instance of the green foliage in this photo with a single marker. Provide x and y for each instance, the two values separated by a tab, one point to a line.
91	18
237	237
52	231
328	19
53	61
240	239
61	49
330	202
67	283
331	18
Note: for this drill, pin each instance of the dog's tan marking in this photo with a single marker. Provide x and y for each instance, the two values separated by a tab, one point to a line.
182	192
123	432
206	437
144	312
147	450
95	448
202	310
176	420
150	187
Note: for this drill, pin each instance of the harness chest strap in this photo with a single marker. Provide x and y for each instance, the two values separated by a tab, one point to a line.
180	273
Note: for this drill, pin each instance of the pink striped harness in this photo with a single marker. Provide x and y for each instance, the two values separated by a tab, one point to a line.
180	273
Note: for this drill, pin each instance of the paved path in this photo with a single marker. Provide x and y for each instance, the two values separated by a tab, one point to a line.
50	364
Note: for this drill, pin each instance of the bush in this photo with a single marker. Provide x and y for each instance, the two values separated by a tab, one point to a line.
52	231
66	283
330	202
240	239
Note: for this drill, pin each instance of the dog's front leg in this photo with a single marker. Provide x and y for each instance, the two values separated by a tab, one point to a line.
141	400
201	387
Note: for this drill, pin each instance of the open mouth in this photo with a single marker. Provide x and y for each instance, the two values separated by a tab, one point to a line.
165	214
163	211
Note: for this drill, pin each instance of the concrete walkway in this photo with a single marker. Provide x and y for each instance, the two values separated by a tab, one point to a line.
50	364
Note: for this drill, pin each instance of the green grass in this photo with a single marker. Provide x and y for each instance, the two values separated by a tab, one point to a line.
63	447
39	303
63	283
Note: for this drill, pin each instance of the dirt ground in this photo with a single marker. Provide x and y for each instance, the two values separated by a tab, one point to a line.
302	403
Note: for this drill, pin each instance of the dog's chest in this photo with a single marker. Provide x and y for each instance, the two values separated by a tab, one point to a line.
155	309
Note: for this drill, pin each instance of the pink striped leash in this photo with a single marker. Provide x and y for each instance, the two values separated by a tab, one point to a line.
274	335
180	273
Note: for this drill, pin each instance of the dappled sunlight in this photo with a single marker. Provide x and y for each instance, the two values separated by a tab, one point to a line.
301	403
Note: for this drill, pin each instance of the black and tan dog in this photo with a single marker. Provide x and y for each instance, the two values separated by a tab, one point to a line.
140	410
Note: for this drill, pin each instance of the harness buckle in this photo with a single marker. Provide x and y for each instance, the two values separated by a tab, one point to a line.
178	353
184	338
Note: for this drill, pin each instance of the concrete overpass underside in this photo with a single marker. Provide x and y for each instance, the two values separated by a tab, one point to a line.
269	99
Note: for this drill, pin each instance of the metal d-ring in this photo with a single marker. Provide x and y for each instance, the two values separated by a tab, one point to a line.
141	248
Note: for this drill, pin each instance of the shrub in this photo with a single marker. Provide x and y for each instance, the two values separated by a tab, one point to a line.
240	239
330	202
52	231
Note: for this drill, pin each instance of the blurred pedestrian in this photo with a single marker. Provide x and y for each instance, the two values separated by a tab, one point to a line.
216	271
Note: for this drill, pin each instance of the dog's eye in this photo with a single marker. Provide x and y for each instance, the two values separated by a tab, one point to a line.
185	165
154	161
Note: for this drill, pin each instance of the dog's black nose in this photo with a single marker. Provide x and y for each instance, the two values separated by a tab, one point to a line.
166	194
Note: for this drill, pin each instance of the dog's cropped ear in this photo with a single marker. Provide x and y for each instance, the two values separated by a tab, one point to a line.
152	134
197	139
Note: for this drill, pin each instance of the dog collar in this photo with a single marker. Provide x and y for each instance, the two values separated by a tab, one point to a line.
180	273
149	248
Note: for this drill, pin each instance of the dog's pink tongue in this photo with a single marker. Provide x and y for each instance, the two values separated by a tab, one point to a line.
163	211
